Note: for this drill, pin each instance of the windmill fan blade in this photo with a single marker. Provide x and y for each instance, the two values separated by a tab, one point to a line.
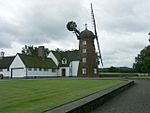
72	26
99	51
94	23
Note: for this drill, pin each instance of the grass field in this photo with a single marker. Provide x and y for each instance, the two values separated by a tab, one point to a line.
130	75
113	74
36	96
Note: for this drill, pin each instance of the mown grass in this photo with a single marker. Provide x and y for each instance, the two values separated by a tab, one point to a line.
37	96
141	77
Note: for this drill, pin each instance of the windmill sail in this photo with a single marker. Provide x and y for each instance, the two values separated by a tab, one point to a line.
94	23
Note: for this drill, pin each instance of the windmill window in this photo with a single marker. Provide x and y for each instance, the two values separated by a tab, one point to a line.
84	60
95	71
83	50
83	70
84	42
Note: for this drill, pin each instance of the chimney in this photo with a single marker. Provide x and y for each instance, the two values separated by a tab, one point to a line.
41	51
2	54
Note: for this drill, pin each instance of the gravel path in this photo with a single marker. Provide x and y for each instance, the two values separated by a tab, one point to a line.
136	99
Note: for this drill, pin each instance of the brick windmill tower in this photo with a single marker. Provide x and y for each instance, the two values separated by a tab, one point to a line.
88	65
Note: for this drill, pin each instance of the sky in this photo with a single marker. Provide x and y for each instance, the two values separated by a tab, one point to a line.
122	26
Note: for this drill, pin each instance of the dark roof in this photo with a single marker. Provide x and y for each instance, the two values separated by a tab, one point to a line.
69	55
32	61
5	62
86	34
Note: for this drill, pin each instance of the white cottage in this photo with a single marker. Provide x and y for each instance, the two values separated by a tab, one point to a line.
5	63
29	66
57	64
67	62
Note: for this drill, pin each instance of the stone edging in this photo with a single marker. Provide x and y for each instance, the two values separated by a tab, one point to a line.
91	102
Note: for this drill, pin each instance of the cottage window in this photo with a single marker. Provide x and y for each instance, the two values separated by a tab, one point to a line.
40	69
45	69
84	42
84	60
29	69
1	70
64	61
83	70
53	70
35	69
83	50
8	69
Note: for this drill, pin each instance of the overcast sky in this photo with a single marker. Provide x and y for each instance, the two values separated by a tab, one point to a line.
122	25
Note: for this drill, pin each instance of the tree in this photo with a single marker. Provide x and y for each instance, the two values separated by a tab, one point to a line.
112	69
142	61
31	50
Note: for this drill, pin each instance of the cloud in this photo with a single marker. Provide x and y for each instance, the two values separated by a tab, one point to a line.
37	22
124	15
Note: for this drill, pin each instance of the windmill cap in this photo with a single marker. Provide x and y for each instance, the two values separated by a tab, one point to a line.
86	34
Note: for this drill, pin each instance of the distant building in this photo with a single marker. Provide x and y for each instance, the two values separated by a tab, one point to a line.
5	63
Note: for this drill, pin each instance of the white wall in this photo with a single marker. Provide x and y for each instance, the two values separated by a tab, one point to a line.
18	72
37	72
74	68
18	68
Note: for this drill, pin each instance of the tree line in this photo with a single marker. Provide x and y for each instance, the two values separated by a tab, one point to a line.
142	61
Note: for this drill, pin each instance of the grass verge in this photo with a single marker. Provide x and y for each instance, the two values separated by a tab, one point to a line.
36	96
109	74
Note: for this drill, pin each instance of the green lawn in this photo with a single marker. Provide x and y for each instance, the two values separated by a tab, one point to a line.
36	96
141	77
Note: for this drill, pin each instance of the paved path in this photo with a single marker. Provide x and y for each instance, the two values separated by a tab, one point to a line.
136	99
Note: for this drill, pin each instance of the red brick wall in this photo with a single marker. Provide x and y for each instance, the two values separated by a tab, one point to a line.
89	55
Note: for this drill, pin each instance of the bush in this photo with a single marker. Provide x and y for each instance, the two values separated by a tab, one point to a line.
117	74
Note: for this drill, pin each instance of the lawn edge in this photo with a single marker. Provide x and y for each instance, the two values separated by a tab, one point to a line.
91	102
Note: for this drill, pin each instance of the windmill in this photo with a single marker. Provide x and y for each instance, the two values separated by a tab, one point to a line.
88	64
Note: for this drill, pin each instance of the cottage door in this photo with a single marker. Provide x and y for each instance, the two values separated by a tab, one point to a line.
63	72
